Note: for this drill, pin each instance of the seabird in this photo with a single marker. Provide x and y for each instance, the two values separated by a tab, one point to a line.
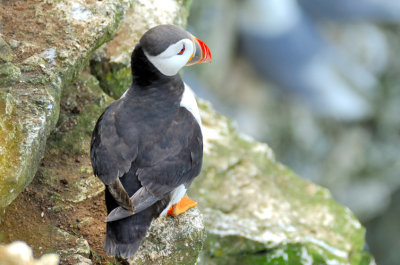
147	146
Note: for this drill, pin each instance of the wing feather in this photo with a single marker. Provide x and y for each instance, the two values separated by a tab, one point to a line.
162	162
111	154
176	159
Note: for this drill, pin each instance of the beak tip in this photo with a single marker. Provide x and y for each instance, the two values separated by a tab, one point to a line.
204	55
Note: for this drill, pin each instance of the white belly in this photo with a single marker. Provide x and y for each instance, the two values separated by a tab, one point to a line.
188	101
176	196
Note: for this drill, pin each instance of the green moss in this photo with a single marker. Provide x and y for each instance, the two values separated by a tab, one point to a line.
256	208
231	245
75	129
6	54
45	82
11	134
20	137
292	254
9	74
361	258
115	78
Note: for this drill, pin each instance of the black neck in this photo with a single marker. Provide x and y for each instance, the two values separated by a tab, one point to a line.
144	74
153	87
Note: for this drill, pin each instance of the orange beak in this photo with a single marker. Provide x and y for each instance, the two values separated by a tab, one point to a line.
201	53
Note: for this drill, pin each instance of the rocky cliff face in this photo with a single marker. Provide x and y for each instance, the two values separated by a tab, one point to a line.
255	209
40	55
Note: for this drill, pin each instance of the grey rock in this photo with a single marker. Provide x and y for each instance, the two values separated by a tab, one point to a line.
6	54
81	245
9	74
80	260
173	241
40	78
253	204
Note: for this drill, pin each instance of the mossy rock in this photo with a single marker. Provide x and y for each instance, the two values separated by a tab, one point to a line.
173	241
257	211
9	74
31	83
82	103
6	54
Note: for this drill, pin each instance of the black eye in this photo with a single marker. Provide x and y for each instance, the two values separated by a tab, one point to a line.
182	51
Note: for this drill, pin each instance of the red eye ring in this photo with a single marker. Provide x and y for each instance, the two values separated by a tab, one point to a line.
183	50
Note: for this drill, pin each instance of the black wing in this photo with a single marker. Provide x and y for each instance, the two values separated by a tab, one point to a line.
111	153
175	159
166	162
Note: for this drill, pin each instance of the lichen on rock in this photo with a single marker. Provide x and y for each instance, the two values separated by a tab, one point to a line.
6	54
9	74
49	58
172	240
258	210
10	138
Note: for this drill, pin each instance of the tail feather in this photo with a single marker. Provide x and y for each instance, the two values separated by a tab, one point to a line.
125	251
123	237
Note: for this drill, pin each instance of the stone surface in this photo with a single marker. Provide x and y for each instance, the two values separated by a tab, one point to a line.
79	250
19	252
9	74
81	104
259	212
6	54
63	182
173	241
48	59
112	64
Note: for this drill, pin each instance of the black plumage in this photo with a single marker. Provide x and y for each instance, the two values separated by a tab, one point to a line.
148	142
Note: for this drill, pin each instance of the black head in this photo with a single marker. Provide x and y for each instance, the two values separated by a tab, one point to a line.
164	50
158	39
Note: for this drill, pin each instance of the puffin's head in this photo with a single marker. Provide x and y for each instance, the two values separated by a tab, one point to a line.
169	48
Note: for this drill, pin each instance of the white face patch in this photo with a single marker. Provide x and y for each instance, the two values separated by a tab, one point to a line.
169	62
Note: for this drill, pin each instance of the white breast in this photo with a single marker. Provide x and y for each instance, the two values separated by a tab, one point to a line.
188	101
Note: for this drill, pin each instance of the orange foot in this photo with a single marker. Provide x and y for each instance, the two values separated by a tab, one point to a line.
182	206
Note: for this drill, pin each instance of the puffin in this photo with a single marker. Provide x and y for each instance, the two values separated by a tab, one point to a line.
147	146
